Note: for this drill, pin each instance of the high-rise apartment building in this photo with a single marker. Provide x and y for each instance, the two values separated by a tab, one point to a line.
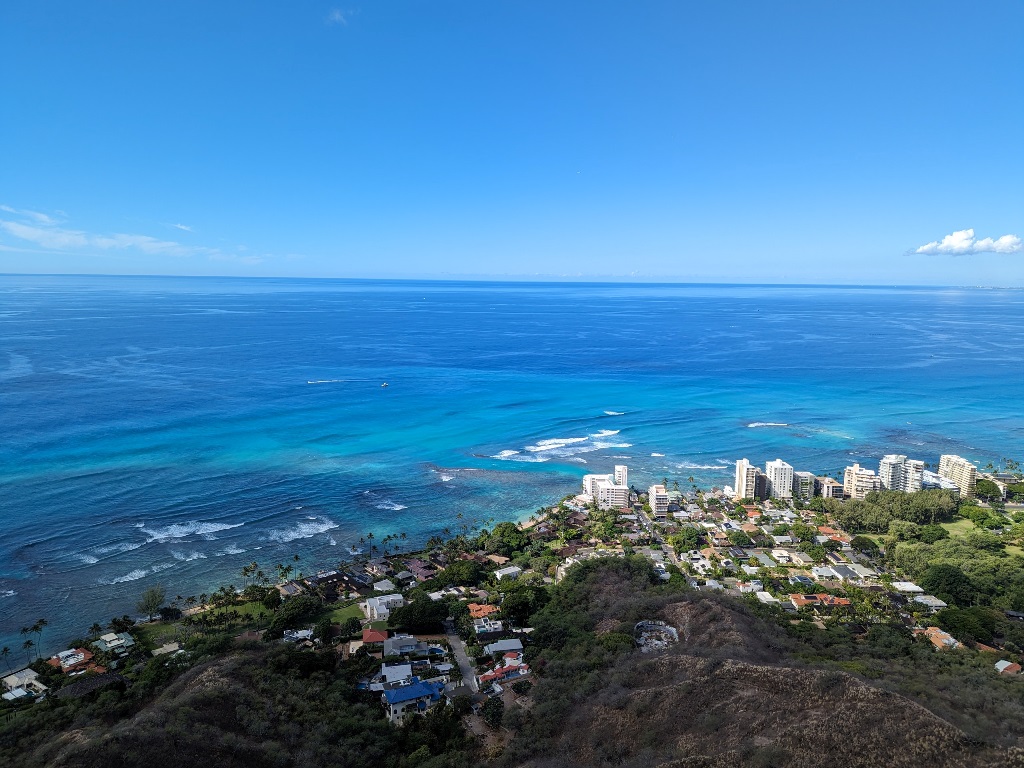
657	497
898	473
961	472
780	479
829	488
746	486
607	490
804	484
858	482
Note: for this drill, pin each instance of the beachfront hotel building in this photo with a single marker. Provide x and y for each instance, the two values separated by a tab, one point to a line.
858	482
898	473
780	479
657	497
961	472
750	482
609	491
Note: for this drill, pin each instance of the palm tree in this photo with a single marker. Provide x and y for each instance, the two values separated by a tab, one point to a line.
38	628
27	646
5	654
96	629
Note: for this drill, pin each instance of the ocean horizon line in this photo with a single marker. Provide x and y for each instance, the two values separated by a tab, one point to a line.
499	279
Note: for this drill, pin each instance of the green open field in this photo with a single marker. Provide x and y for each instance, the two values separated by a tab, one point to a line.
959	527
339	615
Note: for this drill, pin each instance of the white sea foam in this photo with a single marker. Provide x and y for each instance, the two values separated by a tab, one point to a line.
184	530
135	575
756	424
161	567
606	433
690	465
116	549
7	593
304	530
506	455
231	549
332	542
391	506
187	557
555	443
658	455
446	478
88	559
615	413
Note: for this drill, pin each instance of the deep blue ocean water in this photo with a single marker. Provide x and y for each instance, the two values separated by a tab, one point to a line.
171	430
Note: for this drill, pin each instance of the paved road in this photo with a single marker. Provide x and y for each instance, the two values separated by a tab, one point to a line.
466	666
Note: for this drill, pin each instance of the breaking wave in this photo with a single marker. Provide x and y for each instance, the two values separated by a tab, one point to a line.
756	424
7	593
615	413
304	530
184	530
187	557
135	575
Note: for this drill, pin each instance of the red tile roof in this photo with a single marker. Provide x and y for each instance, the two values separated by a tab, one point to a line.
375	635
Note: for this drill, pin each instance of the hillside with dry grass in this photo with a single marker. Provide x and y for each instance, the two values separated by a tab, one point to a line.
732	692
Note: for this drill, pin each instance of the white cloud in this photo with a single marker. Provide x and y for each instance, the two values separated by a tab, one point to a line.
962	241
40	218
42	231
337	16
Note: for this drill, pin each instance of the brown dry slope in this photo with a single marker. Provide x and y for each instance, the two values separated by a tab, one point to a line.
723	697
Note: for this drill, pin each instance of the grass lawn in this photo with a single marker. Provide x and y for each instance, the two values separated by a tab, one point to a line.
959	527
156	634
339	615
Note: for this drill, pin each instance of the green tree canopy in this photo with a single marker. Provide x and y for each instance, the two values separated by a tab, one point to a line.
948	583
151	601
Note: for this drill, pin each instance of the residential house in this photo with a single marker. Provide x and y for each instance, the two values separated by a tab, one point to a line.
930	602
819	601
374	636
22	684
403	645
504	646
417	698
941	640
379	608
766	598
487	625
510	666
801	558
117	644
73	660
511	572
1004	667
384	585
481	611
907	588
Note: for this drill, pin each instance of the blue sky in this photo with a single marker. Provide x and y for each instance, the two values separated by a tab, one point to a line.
735	141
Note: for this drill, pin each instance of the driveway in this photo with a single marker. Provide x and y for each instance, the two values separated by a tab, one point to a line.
466	667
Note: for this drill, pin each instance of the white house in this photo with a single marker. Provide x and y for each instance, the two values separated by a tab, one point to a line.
512	572
379	608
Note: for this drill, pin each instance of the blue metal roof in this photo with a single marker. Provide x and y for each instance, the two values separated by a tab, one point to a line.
414	691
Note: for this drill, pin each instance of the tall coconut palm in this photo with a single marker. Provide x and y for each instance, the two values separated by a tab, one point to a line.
28	645
5	654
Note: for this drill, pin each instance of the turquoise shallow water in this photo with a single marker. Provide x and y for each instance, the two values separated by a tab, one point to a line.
165	430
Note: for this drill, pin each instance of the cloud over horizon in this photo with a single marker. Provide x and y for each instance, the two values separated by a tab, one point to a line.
962	242
42	230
